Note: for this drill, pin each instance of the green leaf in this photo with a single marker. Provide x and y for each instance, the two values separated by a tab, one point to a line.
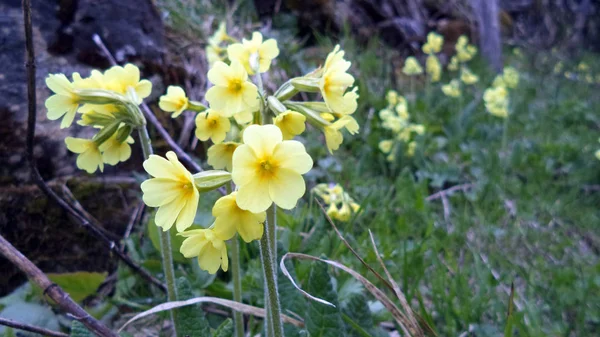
322	320
190	320
79	330
225	329
78	285
357	314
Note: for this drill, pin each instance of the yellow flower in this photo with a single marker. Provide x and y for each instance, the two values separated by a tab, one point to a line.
212	124
453	65
220	155
558	68
392	97
511	77
344	213
120	79
496	101
335	81
452	89
174	101
220	34
434	43
386	145
232	92
498	81
468	77
412	67
583	67
254	53
268	169
114	151
89	158
333	136
230	218
291	123
434	68
208	247
597	154
172	190
64	102
412	146
332	211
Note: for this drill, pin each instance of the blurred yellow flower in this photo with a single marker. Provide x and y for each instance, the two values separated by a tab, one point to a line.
291	123
230	218
344	213
433	68
232	93
392	97
220	155
452	89
210	249
172	190
332	211
465	51
268	169
412	66
89	158
174	101
410	150
510	77
335	81
386	145
434	43
254	54
583	67
114	151
454	64
468	77
212	124
333	136
496	101
64	102
120	79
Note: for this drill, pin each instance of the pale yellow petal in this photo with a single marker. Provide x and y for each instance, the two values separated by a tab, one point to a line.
159	191
219	75
143	89
209	259
262	139
291	155
159	167
193	245
244	163
250	230
77	145
188	213
254	196
59	84
286	188
167	214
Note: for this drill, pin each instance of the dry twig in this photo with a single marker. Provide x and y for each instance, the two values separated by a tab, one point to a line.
52	290
31	328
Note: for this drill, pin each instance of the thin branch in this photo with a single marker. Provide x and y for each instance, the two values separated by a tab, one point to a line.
35	173
449	191
31	328
55	292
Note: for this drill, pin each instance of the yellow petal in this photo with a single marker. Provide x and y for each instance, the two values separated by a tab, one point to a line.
254	196
59	84
193	245
291	155
262	139
167	214
244	164
209	258
188	213
159	167
159	191
219	74
286	188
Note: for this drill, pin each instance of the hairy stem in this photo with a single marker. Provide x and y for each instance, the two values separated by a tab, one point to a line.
165	237
272	305
236	273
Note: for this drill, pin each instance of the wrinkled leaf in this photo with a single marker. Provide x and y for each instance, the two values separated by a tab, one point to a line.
321	319
79	330
191	320
225	329
78	285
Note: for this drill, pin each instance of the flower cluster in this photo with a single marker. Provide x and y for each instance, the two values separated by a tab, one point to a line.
434	45
340	205
464	53
496	97
253	147
395	117
214	51
108	103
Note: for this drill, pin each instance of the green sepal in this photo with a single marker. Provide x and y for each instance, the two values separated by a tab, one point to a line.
210	180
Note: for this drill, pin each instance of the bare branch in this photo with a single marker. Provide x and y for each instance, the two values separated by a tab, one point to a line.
55	292
31	328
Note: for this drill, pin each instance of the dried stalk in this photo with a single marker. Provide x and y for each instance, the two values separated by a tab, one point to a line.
31	328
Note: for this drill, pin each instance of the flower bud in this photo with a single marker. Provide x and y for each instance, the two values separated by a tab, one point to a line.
210	180
106	132
123	133
306	84
286	91
196	106
275	105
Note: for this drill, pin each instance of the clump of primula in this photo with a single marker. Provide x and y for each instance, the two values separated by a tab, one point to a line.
214	51
107	103
412	66
395	117
340	206
496	97
434	45
464	53
252	134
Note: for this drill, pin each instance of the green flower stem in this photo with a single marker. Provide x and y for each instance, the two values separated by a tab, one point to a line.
272	306
236	273
165	237
272	229
505	143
